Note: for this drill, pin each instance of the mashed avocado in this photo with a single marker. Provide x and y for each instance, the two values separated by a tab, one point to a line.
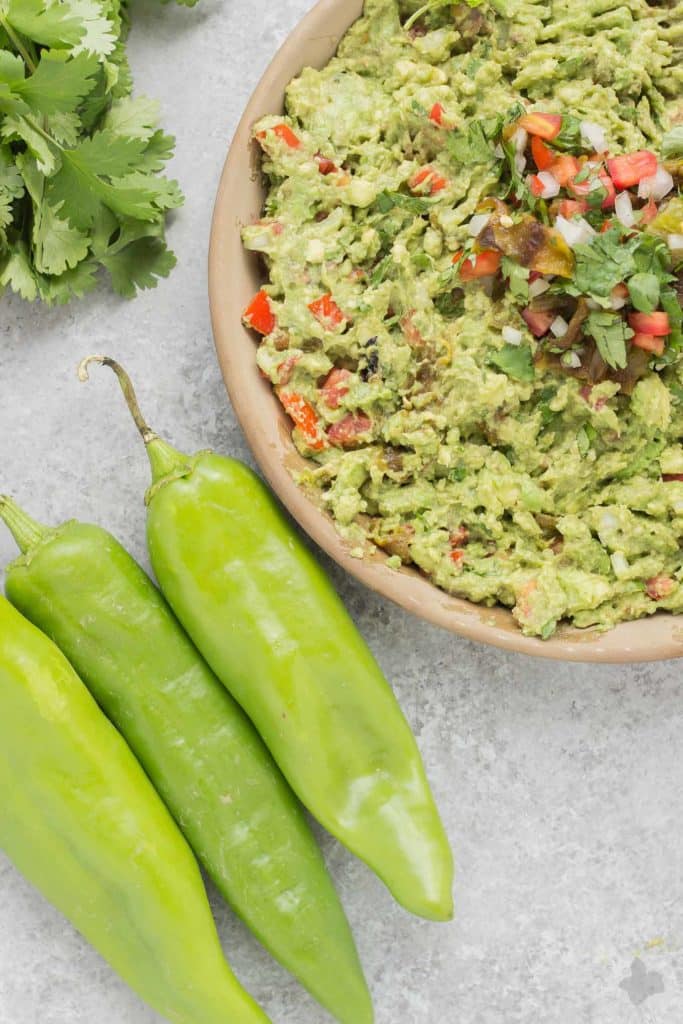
473	315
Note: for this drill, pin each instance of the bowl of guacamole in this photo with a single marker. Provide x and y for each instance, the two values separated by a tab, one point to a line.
454	233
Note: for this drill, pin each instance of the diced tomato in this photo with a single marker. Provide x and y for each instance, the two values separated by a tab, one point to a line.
286	368
259	315
538	321
486	262
544	156
536	186
659	587
546	126
670	478
335	387
284	132
610	223
534	276
584	188
569	208
649	343
325	165
305	418
648	212
656	323
564	168
347	431
429	180
327	312
436	114
627	171
457	556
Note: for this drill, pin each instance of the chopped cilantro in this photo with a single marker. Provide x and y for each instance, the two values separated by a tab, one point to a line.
604	262
570	133
518	279
414	204
473	145
643	289
515	361
611	334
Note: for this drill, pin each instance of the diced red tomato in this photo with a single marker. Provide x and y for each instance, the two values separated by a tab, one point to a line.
610	223
544	156
648	212
627	171
325	165
305	418
564	168
259	314
546	126
538	321
670	478
335	387
656	323
429	180
327	312
659	587
649	343
284	132
569	208
536	186
436	114
484	263
457	556
584	188
286	368
347	431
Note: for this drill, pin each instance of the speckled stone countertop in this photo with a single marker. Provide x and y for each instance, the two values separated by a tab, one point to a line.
561	785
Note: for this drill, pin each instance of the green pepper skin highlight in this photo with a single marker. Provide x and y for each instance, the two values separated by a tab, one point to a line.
81	821
266	618
81	587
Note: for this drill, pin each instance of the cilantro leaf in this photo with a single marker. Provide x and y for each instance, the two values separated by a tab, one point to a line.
139	265
643	289
611	334
134	118
604	262
59	83
515	361
473	145
77	25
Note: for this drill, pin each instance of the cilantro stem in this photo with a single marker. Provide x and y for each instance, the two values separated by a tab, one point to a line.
17	43
425	9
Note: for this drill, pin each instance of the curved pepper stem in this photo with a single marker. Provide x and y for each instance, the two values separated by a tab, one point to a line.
163	458
26	531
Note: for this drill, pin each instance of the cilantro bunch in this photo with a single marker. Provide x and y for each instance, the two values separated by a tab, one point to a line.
80	158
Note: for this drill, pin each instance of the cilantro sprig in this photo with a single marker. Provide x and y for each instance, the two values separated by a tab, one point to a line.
80	158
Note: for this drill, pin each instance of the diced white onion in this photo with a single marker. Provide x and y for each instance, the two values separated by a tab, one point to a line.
478	223
538	286
520	163
657	186
551	186
571	359
520	140
499	152
608	521
511	335
559	327
619	563
593	135
623	207
675	242
592	304
576	231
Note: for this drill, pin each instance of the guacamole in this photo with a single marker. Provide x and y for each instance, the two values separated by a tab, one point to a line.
474	243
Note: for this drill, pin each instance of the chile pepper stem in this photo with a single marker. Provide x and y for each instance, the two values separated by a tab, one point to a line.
127	388
26	531
164	459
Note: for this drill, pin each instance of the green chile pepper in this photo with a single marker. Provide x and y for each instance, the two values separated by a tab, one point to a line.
204	757
81	821
268	621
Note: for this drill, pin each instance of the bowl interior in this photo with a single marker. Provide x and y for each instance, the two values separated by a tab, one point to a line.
235	275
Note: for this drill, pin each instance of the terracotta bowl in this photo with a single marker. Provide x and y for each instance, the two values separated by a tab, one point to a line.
234	277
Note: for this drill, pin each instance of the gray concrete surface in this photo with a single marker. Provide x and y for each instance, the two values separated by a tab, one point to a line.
561	786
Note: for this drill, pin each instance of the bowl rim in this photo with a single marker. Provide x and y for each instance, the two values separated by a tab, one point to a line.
238	199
